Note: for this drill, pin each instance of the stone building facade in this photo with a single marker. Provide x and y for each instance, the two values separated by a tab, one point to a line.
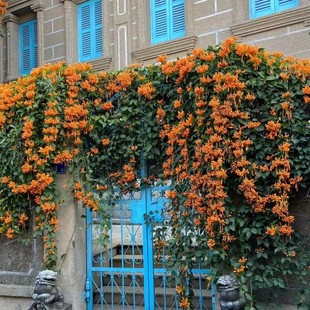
127	34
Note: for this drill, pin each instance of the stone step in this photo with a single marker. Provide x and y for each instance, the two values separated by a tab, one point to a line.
135	296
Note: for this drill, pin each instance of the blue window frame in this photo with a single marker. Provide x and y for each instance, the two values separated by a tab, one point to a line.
90	37
259	8
167	20
28	46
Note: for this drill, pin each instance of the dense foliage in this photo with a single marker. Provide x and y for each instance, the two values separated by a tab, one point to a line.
228	125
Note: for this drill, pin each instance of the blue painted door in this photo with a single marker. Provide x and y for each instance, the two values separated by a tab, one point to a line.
126	274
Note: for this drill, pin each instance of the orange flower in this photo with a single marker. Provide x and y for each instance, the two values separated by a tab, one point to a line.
202	69
107	106
252	125
105	141
3	6
306	90
146	90
94	151
177	104
285	147
286	230
239	270
271	231
10	233
8	219
5	180
2	119
179	289
27	130
199	91
22	219
184	303
125	79
63	157
211	244
26	168
160	114
49	207
273	129
250	97
171	194
162	58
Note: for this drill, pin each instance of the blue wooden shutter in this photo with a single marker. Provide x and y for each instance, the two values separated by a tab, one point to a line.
98	29
159	19
259	8
90	30
28	46
178	19
282	5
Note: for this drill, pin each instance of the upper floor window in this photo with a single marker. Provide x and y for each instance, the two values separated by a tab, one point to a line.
90	30
167	20
28	46
259	8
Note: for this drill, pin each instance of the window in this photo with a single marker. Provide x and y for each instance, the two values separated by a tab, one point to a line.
167	20
259	8
28	46
90	30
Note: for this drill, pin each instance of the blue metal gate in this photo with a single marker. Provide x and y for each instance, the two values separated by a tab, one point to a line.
126	274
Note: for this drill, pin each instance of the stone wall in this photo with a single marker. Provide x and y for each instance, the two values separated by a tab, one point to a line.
21	260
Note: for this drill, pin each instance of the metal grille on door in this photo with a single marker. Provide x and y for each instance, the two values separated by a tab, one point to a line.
126	274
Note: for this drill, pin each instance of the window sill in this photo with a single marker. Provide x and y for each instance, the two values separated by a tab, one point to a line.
278	20
16	290
168	48
101	64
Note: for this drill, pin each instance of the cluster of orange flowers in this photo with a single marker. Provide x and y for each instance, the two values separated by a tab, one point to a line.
76	112
242	265
306	92
146	90
87	199
205	129
9	221
3	6
209	144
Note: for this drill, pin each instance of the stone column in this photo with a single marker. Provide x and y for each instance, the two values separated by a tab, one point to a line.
190	18
12	28
71	250
38	8
1	59
71	31
122	18
143	24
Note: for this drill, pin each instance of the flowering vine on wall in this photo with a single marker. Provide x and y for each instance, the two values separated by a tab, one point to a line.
228	125
3	11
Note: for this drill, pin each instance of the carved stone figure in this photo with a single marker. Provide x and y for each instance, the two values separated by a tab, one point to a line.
229	294
45	291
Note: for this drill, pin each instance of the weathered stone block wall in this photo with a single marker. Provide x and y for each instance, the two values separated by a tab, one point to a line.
21	260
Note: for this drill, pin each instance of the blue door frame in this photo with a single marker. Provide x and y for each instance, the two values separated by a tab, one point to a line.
109	281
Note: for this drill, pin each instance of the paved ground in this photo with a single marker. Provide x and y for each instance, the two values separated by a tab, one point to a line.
268	306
